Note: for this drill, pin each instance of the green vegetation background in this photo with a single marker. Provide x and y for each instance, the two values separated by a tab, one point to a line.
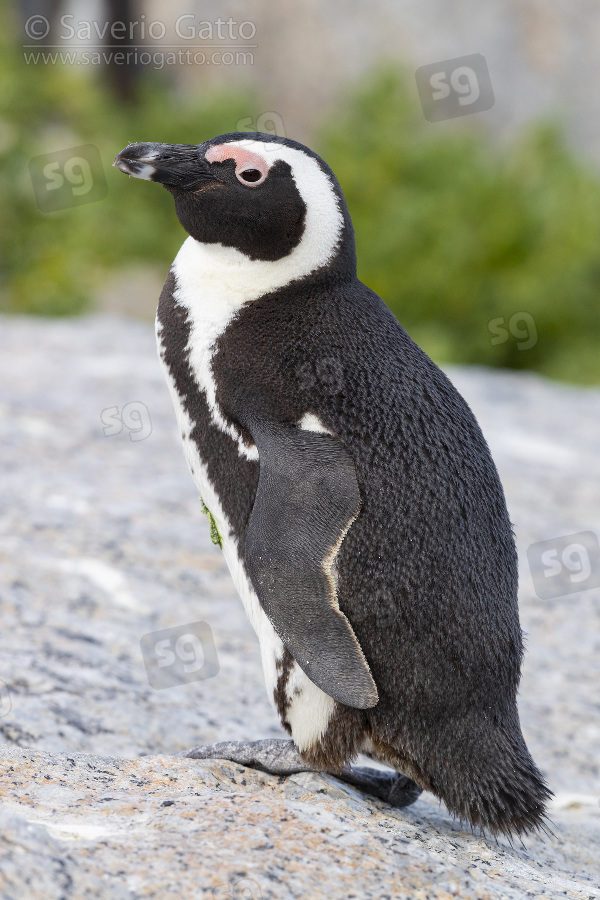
452	230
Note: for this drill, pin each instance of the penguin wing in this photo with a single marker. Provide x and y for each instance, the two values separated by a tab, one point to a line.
306	500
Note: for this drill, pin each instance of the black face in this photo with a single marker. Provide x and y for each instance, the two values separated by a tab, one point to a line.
238	202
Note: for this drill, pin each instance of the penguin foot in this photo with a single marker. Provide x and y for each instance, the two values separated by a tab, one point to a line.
280	757
396	789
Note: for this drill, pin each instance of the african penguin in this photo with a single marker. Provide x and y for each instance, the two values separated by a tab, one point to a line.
357	505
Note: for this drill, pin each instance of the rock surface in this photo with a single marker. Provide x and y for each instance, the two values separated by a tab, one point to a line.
103	541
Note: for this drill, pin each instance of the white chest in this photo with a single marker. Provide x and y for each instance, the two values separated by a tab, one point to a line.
212	296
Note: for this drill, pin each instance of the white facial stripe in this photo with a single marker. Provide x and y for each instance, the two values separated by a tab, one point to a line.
324	221
227	273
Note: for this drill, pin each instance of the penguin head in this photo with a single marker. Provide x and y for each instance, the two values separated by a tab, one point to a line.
266	197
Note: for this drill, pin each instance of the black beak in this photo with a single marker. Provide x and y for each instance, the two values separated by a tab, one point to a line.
181	166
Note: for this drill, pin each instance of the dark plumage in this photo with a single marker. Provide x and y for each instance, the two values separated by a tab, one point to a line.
426	574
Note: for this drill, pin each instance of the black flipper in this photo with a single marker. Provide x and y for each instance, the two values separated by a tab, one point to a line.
306	500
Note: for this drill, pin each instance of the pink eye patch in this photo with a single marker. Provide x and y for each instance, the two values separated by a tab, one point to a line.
250	168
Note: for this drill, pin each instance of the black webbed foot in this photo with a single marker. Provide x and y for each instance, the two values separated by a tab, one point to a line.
280	757
396	789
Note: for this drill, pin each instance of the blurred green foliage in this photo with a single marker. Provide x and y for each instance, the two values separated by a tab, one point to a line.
50	263
454	231
459	235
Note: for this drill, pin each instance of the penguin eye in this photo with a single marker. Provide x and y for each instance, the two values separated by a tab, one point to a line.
251	176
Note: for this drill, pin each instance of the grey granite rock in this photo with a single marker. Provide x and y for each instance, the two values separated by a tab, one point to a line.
165	827
103	541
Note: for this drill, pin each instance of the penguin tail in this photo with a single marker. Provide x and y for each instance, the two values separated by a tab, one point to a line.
491	781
